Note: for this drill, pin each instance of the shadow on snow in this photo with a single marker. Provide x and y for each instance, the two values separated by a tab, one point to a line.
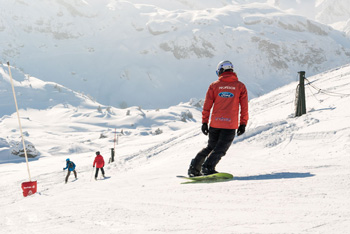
275	176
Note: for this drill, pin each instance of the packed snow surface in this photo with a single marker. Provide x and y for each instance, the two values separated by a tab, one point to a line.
291	175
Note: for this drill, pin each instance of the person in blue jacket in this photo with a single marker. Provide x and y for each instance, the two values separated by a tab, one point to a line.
71	167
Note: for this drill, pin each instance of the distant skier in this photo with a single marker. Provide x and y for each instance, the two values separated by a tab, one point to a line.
225	97
71	168
100	163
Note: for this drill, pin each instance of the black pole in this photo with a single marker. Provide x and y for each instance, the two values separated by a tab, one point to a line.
301	104
112	154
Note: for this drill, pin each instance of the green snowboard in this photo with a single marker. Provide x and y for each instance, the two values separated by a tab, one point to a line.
217	177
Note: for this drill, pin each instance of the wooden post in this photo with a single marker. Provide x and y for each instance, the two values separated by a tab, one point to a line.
301	102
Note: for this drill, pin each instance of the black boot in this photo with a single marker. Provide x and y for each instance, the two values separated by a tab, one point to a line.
209	165
192	172
208	171
195	168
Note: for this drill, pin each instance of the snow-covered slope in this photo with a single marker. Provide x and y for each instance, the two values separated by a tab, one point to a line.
291	174
34	93
159	53
53	108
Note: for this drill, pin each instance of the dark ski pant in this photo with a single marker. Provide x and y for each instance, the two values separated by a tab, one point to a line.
68	174
96	174
219	142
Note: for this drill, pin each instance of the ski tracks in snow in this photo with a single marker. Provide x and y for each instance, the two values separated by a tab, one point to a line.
162	146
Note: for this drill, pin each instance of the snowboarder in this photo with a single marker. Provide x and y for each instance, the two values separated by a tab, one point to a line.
225	97
100	163
71	168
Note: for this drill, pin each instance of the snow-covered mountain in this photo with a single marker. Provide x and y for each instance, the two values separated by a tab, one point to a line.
158	53
291	174
330	12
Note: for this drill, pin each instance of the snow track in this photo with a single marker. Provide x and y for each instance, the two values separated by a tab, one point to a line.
164	145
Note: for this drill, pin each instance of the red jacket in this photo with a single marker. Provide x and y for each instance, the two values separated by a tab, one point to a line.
226	96
99	161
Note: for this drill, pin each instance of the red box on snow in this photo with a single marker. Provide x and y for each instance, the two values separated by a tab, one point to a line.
29	188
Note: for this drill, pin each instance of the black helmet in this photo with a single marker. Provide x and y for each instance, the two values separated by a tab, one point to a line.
98	153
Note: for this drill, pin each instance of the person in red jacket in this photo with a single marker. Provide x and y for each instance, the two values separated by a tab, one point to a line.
224	99
100	163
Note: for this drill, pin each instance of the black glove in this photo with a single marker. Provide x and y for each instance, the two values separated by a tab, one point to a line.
241	129
205	129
